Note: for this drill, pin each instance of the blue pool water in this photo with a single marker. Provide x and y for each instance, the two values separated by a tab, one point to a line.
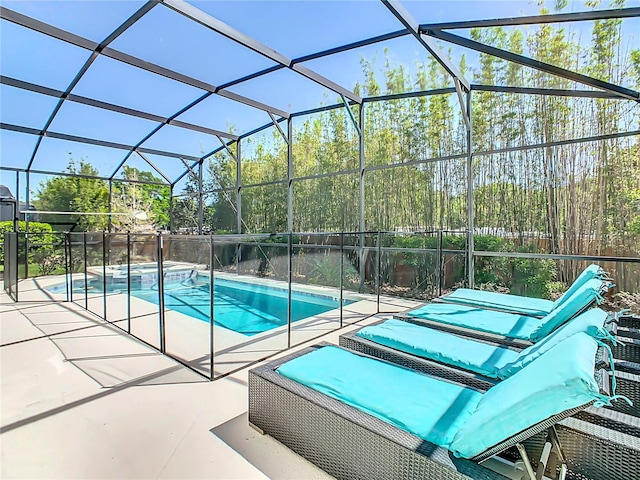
242	307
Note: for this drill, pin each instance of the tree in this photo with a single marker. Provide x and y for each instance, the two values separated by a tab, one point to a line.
129	197
74	194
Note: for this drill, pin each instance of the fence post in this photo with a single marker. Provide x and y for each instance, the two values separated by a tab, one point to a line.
128	282
159	241
289	277
439	260
86	286
211	307
67	258
341	276
378	271
104	275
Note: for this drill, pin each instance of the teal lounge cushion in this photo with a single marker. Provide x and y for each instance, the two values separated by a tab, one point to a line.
536	307
428	407
581	297
561	379
443	347
590	322
501	323
472	355
593	271
509	324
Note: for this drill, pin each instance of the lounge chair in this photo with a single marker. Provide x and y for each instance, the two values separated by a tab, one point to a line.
534	307
461	318
489	361
617	426
358	417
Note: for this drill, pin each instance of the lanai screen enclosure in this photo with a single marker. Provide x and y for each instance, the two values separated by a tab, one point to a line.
514	121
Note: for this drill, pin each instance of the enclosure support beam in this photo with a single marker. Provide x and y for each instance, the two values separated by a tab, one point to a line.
171	229
81	42
77	175
16	207
226	147
277	125
290	176
92	141
110	206
189	169
222	28
32	87
94	55
26	227
537	19
361	197
362	223
470	204
200	198
412	26
464	109
350	113
151	164
555	92
529	62
239	188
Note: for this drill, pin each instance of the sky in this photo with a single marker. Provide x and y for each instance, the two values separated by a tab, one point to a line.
164	37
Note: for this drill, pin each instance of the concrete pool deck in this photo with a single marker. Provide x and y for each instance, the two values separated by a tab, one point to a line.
81	399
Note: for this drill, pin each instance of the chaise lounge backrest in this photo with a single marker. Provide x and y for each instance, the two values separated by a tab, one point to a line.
591	272
559	380
580	299
591	322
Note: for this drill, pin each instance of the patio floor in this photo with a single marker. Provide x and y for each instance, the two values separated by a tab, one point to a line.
81	399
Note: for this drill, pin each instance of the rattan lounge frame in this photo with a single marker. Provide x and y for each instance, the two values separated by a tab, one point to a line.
350	444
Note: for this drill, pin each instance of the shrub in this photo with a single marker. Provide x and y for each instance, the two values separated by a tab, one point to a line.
42	252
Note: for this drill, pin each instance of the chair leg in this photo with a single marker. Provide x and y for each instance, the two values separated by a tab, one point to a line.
551	460
529	473
550	457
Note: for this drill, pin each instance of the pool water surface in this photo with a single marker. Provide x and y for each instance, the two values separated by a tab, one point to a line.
242	307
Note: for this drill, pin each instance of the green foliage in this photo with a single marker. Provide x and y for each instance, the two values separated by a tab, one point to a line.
522	276
46	256
74	194
570	198
325	271
130	197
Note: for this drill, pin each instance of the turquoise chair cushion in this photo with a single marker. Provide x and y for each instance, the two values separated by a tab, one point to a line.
509	324
536	307
443	347
501	323
561	379
590	322
428	407
580	299
593	271
489	360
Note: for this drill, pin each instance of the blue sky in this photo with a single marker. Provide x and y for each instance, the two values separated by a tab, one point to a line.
293	28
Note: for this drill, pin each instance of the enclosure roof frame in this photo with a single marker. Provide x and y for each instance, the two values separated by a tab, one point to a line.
425	33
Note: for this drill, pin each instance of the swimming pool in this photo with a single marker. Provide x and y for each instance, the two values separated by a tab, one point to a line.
242	307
